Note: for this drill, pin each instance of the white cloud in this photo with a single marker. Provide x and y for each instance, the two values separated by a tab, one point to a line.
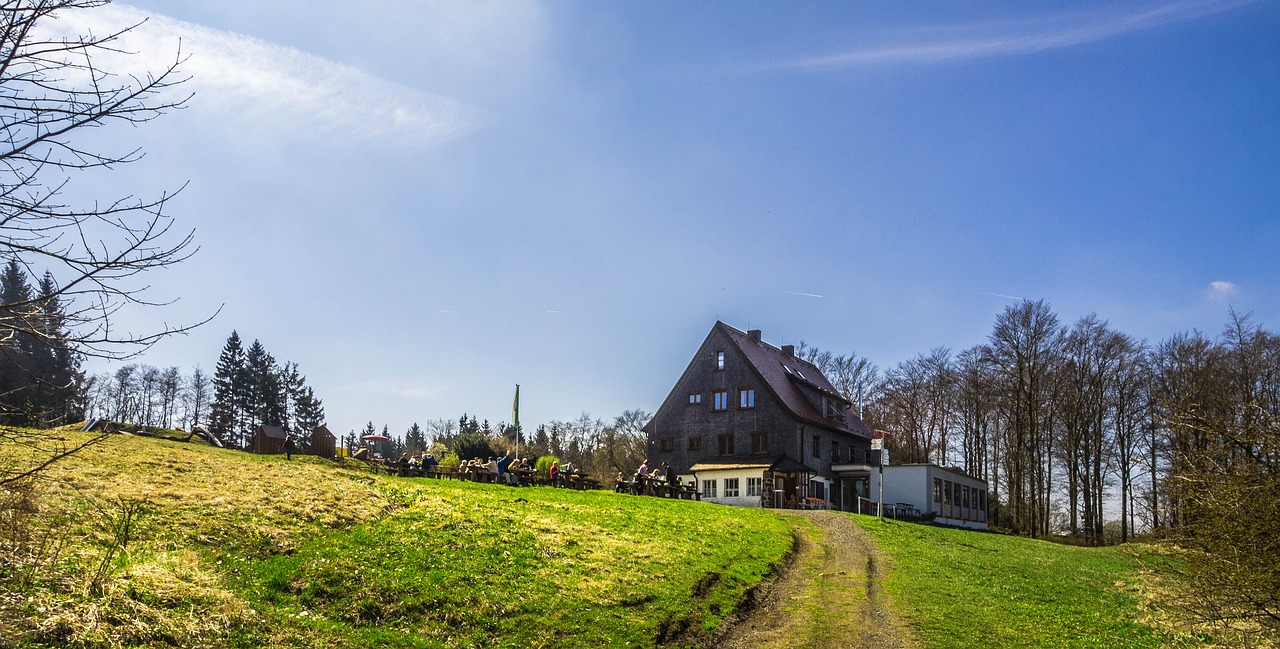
1023	38
273	87
1222	291
412	389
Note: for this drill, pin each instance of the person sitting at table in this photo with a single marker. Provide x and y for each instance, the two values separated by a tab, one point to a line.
619	484
491	467
429	464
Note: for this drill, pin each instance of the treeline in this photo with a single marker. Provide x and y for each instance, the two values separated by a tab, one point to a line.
250	389
149	396
40	378
1064	421
598	447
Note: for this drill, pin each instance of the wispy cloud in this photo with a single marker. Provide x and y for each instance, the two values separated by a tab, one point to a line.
1010	39
274	87
1221	291
411	389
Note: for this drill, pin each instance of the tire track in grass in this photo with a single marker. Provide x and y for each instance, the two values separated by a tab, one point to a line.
829	596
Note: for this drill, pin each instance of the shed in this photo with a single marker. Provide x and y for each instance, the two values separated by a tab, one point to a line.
269	440
323	443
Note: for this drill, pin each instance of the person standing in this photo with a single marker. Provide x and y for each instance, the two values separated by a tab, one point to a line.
288	447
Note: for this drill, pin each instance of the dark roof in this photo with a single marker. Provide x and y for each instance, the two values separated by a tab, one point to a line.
322	430
274	432
784	374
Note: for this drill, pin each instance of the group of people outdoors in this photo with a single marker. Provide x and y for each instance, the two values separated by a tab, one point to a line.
661	481
522	472
513	471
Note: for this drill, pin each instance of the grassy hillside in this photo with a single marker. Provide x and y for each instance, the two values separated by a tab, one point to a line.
967	589
145	542
228	549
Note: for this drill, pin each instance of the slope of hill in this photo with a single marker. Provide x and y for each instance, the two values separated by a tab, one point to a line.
144	542
168	544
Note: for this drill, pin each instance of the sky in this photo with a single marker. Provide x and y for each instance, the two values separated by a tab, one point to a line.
423	204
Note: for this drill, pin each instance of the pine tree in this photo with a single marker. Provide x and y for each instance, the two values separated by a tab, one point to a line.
16	314
414	439
228	387
58	364
308	413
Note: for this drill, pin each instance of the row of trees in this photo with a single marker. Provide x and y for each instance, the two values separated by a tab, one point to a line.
39	369
149	396
250	390
1066	421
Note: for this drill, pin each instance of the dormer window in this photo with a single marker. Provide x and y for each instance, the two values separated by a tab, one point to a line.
832	409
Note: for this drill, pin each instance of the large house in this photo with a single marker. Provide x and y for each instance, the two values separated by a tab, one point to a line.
755	425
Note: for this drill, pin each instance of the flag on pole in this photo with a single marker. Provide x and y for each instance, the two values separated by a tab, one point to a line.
515	416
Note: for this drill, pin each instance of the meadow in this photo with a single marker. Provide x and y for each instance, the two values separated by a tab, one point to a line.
141	542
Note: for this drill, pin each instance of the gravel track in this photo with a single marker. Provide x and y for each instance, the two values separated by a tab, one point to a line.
830	595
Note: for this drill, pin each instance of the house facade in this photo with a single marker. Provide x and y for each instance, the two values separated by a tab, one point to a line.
954	497
756	425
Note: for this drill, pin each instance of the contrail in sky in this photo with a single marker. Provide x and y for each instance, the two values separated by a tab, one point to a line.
984	41
804	294
1011	297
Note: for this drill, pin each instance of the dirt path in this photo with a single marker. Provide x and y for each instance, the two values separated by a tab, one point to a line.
830	596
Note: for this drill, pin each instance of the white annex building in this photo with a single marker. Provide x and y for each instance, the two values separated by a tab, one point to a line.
951	495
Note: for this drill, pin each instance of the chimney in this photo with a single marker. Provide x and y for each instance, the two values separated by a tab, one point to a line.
754	334
789	350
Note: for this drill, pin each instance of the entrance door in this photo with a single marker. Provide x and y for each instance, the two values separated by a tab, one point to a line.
788	486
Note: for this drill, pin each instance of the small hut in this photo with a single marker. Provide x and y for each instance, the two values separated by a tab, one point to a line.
269	440
323	442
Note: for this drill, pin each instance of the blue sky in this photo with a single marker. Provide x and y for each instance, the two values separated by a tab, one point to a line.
424	204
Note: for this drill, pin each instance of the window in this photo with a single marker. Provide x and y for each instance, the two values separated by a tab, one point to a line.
759	443
832	409
708	488
730	487
746	398
982	500
726	444
835	450
817	451
719	360
948	492
817	489
753	486
695	398
721	400
937	490
668	444
966	496
695	443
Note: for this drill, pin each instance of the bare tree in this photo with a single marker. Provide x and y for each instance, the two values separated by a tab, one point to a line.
53	91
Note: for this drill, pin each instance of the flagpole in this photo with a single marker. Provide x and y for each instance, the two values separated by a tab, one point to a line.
515	417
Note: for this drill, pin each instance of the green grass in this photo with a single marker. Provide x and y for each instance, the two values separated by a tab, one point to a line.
236	550
963	589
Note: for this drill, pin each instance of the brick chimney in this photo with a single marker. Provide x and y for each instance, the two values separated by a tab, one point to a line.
754	334
789	350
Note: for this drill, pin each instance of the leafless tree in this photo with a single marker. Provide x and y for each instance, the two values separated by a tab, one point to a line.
53	91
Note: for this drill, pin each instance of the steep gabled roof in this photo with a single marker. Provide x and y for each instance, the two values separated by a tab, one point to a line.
272	432
785	374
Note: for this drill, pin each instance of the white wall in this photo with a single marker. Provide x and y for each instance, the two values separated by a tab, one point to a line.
742	500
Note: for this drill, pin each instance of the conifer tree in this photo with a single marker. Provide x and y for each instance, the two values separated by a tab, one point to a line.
16	311
228	388
414	439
